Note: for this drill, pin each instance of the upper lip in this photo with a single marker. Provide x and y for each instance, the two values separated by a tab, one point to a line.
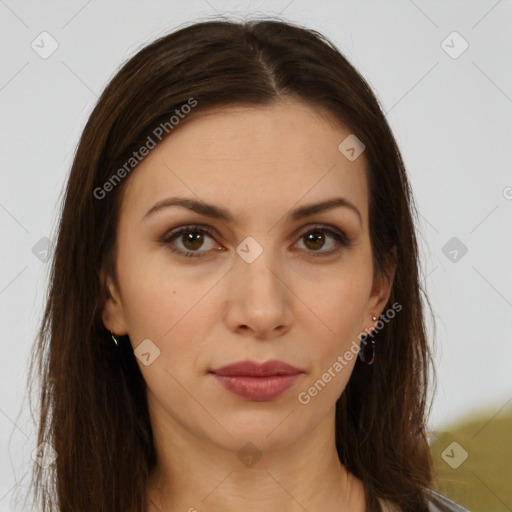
255	369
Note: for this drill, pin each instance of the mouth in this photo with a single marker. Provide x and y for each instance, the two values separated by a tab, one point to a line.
257	389
255	381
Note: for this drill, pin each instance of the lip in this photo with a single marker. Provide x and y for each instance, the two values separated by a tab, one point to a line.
258	382
255	369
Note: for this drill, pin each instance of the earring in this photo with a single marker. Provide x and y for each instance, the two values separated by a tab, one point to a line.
114	339
367	347
121	349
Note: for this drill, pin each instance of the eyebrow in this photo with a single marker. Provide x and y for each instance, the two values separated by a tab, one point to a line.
220	213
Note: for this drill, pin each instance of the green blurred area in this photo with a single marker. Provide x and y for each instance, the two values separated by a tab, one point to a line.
473	462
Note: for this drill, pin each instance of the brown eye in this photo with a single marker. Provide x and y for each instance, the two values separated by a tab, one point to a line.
189	240
315	240
192	238
192	241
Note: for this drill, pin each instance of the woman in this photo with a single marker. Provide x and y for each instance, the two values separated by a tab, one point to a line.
234	320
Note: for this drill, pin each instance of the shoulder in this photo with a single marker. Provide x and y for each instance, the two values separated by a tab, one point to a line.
436	503
439	503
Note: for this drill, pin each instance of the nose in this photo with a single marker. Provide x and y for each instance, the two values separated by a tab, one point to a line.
259	300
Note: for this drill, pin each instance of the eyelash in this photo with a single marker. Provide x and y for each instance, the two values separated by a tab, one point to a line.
340	237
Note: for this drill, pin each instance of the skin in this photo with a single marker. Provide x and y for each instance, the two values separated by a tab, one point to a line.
209	311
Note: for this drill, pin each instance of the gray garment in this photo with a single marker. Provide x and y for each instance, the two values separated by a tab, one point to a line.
439	503
436	503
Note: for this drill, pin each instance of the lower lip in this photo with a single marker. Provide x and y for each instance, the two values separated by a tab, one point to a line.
258	389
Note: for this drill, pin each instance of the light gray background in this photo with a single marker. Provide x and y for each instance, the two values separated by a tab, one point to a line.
451	117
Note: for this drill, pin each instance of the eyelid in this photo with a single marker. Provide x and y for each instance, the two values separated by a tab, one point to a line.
341	238
175	233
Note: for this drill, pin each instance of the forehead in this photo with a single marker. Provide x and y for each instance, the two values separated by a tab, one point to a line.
257	159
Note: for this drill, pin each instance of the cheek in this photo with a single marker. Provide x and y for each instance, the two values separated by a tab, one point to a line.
339	305
333	348
158	294
168	306
339	301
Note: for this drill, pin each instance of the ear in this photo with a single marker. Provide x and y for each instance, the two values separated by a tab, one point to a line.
381	288
112	312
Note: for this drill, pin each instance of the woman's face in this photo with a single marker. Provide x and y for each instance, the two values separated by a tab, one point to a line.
264	283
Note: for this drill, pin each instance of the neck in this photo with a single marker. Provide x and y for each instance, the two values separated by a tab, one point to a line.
194	474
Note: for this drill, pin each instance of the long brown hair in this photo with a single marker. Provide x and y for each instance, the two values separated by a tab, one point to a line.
92	411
